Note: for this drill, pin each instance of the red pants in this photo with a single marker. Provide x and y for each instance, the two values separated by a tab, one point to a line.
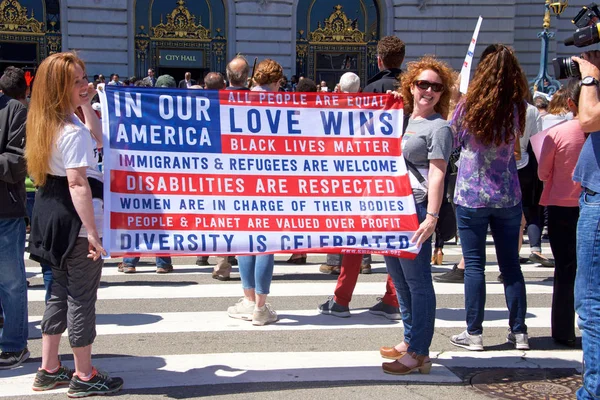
349	276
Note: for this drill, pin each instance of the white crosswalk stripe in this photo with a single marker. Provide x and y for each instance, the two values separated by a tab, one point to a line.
192	341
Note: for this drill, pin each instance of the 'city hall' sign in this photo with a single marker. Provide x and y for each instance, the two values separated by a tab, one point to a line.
181	58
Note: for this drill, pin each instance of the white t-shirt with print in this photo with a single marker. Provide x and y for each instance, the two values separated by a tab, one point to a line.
75	148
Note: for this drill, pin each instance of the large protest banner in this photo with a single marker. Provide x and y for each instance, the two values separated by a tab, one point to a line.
193	172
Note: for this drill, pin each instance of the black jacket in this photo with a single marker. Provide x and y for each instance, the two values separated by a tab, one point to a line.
55	223
13	169
382	82
183	85
236	88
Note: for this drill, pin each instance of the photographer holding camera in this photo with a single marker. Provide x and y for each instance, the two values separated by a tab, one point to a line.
587	172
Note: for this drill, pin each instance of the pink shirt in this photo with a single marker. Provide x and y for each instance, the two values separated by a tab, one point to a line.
560	152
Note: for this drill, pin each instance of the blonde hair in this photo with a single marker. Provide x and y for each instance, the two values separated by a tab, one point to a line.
559	104
50	109
268	71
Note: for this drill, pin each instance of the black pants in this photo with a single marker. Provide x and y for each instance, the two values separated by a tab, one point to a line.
562	232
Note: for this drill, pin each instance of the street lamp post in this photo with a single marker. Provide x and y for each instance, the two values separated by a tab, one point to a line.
544	82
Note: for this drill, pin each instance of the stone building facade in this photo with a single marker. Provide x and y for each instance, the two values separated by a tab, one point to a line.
316	38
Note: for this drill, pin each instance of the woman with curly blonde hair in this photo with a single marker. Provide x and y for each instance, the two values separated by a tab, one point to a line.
487	125
256	271
426	146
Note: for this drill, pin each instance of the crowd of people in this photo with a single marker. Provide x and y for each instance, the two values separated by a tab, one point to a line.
472	169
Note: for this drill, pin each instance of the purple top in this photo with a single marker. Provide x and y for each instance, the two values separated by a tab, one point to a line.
487	175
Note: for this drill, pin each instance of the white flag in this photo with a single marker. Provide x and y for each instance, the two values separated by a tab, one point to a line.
465	73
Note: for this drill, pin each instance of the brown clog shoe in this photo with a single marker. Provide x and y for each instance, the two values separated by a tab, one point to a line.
397	368
390	353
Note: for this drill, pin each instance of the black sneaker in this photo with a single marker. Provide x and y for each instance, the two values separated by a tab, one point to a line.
330	307
100	384
386	310
455	275
45	380
10	360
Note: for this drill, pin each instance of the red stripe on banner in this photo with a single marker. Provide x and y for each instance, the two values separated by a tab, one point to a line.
264	223
359	101
305	146
258	185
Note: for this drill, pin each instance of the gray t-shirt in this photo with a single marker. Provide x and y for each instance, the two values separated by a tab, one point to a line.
424	140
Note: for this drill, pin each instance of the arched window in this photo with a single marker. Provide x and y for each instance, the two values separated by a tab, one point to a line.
178	36
333	39
29	32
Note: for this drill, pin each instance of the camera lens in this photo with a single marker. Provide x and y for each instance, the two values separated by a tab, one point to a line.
565	67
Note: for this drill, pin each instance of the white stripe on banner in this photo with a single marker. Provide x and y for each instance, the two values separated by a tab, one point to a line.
142	161
207	205
162	371
199	240
240	118
300	154
194	291
289	320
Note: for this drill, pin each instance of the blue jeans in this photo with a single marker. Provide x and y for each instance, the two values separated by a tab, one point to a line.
160	261
13	285
30	203
256	272
505	224
412	279
587	295
534	216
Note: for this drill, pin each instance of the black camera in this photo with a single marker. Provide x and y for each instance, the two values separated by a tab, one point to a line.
587	22
588	15
565	67
588	33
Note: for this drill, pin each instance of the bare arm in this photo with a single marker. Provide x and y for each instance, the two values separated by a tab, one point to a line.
81	194
91	118
437	171
589	104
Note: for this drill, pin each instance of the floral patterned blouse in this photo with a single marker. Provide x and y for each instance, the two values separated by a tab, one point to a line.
487	175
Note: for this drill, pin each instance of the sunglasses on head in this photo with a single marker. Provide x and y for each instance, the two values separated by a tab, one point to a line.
424	85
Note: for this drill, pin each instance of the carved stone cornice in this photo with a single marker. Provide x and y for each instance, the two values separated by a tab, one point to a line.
338	28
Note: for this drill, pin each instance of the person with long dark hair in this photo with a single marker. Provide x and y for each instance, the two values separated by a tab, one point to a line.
487	125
